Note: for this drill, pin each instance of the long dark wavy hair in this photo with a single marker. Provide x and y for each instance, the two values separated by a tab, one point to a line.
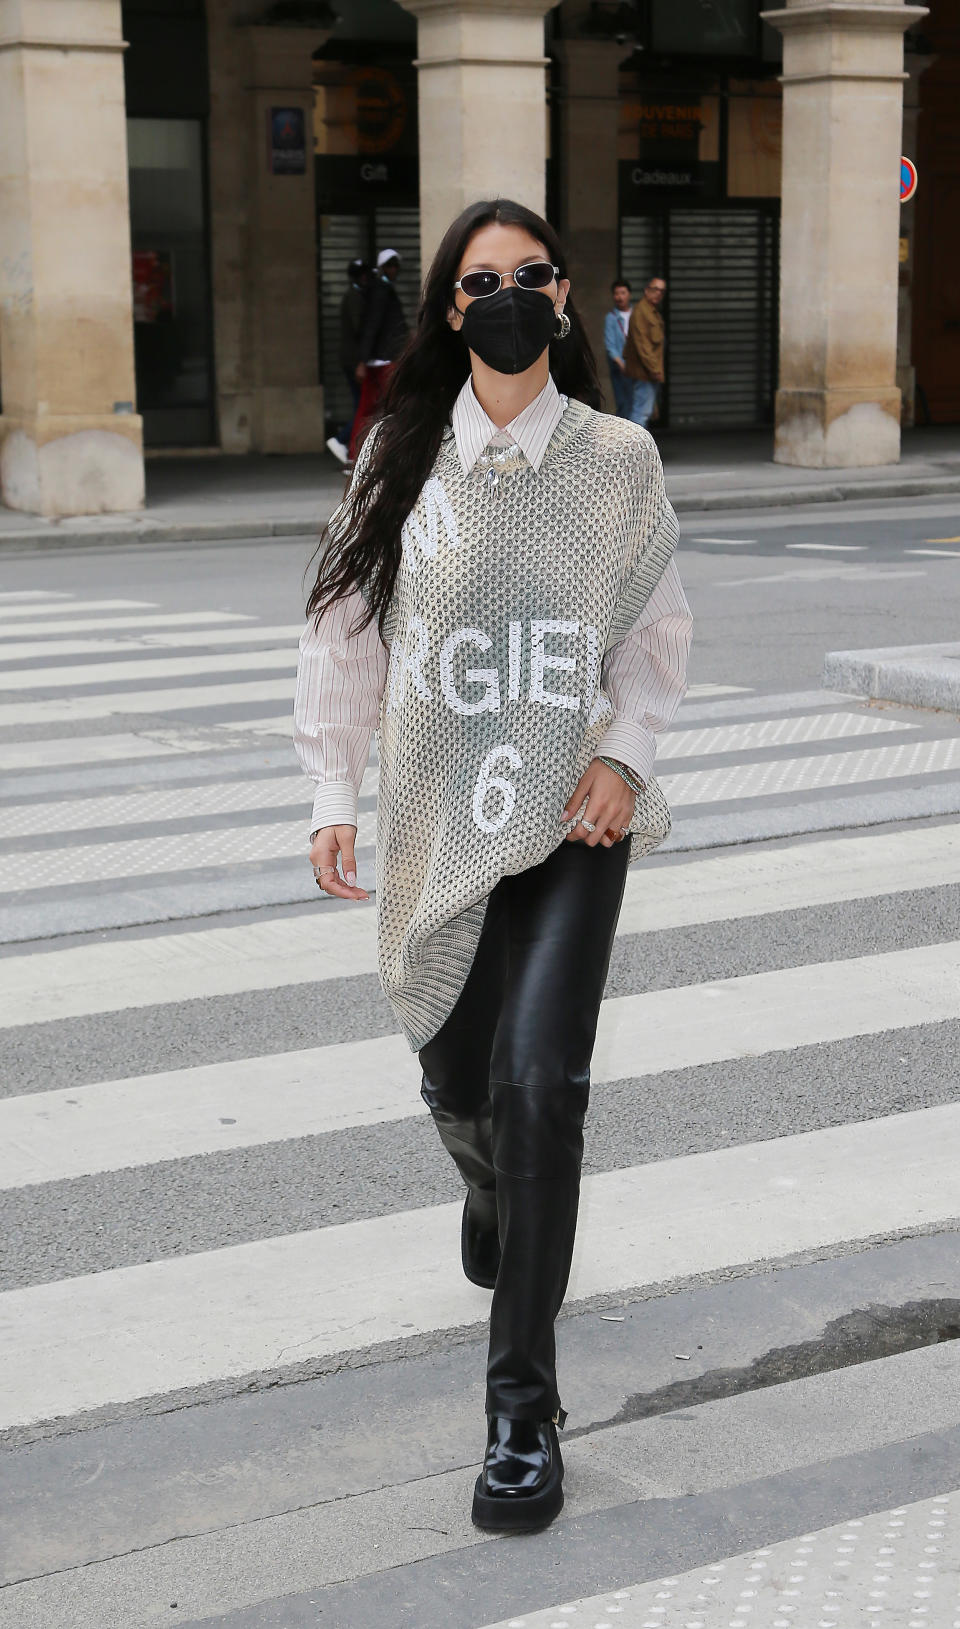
364	552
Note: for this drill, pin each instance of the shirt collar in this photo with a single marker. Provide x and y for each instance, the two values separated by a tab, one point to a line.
531	430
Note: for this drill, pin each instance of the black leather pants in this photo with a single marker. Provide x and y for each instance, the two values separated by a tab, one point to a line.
507	1080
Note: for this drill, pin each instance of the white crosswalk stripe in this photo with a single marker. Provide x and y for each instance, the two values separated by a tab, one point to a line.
162	667
149	855
168	1053
159	701
9	595
32	605
137	642
97	749
115	625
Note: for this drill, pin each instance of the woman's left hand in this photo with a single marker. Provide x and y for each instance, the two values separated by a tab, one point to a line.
610	805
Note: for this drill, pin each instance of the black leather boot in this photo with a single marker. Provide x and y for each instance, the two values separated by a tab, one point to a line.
520	1488
468	1143
538	1143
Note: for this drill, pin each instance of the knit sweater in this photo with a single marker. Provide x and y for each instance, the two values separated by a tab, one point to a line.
511	587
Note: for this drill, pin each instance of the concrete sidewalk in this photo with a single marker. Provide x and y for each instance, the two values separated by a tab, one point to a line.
209	497
925	676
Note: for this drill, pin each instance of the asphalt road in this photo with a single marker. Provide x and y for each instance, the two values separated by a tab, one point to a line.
326	1484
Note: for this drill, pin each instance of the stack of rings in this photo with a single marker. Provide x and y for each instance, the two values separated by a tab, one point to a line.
320	872
588	825
632	781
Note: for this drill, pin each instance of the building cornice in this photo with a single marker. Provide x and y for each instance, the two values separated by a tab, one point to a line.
795	19
33	42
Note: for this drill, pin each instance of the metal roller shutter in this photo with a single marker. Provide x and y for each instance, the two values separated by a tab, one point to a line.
721	295
722	281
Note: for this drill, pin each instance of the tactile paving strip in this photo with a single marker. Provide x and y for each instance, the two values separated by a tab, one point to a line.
896	1570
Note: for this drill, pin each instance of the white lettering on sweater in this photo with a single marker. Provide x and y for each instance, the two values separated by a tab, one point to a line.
404	661
411	658
540	660
486	782
489	702
516	659
421	543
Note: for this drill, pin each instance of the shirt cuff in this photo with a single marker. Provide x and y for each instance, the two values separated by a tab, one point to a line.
335	804
632	744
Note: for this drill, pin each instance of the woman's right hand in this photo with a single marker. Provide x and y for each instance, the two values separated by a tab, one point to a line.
329	843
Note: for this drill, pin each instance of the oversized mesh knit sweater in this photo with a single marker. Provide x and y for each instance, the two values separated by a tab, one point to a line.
508	594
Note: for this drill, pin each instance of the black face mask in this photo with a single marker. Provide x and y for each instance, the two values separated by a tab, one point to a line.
510	329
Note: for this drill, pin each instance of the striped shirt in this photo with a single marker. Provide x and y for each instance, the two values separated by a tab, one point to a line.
342	678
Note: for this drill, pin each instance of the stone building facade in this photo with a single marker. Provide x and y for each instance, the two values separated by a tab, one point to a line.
183	181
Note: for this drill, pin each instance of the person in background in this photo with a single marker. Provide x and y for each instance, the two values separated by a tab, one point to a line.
615	326
353	309
643	352
381	341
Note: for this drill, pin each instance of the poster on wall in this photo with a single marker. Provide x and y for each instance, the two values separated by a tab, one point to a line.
152	285
288	141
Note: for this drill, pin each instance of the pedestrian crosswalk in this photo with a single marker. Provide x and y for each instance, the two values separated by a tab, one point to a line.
177	765
220	1177
109	1338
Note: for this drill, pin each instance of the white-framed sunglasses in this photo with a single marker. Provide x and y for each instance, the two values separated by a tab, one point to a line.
479	285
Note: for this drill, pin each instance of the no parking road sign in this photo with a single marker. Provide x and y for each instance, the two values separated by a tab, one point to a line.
908	180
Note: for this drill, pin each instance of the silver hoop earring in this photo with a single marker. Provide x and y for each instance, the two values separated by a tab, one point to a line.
564	325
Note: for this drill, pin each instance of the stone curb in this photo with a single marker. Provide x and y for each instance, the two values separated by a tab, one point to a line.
836	492
915	676
206	531
180	531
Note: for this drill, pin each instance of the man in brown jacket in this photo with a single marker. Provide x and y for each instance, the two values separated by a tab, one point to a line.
643	352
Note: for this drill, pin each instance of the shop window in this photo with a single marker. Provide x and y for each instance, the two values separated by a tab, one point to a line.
171	293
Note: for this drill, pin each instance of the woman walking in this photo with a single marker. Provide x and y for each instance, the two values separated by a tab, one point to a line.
498	598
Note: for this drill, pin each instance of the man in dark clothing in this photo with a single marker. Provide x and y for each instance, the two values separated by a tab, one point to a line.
381	341
353	308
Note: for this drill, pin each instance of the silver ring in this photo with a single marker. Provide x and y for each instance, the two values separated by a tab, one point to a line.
324	871
624	830
587	825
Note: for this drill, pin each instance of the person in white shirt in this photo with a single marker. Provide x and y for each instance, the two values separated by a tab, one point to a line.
498	598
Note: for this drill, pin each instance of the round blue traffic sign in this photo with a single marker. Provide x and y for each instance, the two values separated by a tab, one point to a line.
908	180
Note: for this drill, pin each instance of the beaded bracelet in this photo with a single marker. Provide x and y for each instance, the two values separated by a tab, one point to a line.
627	775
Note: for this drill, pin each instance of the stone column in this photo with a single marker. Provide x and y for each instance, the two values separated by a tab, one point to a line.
589	205
482	107
263	238
838	404
70	441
